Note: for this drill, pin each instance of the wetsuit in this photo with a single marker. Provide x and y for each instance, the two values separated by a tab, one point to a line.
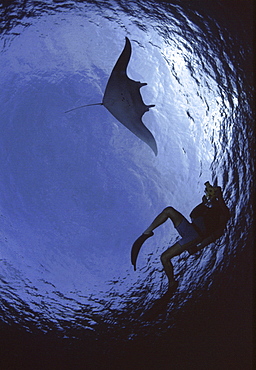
209	217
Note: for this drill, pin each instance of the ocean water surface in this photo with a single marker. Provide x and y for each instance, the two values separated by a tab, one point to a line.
78	188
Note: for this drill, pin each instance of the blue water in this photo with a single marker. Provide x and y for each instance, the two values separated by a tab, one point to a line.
77	189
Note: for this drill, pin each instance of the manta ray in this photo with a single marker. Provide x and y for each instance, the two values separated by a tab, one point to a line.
123	100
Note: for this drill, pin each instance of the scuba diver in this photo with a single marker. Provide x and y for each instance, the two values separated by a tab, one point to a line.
209	220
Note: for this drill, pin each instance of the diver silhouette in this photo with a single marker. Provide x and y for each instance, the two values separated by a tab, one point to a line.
209	220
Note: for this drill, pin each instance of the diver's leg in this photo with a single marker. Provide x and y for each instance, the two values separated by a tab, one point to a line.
168	212
171	252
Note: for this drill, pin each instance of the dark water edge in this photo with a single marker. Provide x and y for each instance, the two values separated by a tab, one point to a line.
213	333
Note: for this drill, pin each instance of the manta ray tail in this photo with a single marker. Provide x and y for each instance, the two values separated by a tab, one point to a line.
82	106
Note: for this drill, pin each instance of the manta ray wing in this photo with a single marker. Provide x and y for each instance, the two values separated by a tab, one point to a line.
123	100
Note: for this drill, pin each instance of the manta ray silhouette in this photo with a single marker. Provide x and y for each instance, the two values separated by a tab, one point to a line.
123	100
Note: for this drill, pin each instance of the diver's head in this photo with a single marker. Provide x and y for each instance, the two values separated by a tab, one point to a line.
210	191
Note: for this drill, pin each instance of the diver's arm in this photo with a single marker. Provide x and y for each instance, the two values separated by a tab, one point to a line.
222	203
197	247
204	243
210	239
